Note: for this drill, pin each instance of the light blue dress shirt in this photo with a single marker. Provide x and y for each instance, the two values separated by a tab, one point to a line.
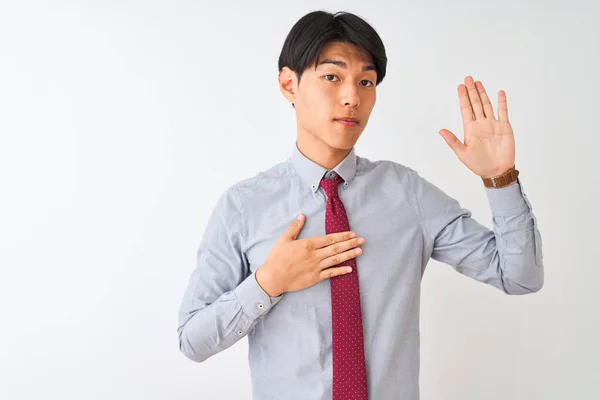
405	220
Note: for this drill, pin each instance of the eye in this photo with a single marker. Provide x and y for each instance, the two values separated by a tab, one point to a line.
329	79
370	83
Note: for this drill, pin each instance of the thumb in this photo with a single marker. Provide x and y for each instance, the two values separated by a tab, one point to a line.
295	227
456	145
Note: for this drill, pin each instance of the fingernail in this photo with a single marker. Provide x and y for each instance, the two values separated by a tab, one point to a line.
300	217
349	269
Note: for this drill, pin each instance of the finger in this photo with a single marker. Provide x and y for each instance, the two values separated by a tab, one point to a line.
338	247
485	100
456	145
295	227
327	240
465	105
340	258
474	97
502	106
332	272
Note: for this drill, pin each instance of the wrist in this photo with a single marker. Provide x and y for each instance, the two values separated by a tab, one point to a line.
498	172
266	280
504	179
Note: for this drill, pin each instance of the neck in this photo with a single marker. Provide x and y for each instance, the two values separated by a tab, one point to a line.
320	152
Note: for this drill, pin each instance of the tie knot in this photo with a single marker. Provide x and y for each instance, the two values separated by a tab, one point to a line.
331	185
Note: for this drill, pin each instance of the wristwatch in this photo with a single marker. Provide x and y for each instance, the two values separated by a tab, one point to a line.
502	180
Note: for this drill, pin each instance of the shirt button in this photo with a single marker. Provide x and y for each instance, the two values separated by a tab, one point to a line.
261	305
240	332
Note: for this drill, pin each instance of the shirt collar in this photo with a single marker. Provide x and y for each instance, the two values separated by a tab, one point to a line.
312	173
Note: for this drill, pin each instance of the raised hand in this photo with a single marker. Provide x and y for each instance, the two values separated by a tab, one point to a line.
489	143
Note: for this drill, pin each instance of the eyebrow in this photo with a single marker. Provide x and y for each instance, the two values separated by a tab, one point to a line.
343	64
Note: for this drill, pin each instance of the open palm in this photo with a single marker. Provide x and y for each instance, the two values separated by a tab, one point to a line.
489	143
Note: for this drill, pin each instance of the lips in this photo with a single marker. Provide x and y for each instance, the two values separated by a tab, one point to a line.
348	121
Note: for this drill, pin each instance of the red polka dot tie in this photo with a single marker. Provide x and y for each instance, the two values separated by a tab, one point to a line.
349	370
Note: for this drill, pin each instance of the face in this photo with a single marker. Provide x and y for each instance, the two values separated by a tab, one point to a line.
341	86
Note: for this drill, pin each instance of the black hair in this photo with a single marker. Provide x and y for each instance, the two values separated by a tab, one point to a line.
305	41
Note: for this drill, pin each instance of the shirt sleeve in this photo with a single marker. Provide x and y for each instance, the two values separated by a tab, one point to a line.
508	257
223	300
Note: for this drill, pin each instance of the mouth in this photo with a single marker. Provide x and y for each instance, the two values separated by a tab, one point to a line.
348	121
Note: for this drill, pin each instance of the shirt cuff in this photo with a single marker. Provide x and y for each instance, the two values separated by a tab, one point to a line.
253	299
507	200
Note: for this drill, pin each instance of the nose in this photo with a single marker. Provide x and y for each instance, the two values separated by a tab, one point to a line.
349	96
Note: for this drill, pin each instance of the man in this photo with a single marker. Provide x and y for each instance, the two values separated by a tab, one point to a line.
329	314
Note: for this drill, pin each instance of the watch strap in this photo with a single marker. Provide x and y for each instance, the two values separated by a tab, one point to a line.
502	180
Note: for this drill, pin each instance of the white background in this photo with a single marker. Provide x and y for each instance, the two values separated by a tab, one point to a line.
122	122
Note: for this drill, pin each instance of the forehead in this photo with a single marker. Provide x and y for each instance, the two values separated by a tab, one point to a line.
346	52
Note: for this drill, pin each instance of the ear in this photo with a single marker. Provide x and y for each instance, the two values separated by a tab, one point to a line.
288	84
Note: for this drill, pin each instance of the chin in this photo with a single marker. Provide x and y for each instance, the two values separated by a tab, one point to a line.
343	142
